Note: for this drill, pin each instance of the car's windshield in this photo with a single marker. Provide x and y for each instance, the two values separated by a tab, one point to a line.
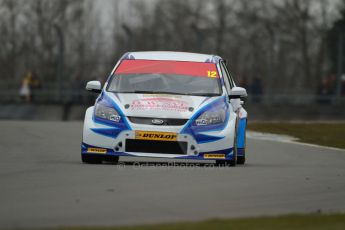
166	77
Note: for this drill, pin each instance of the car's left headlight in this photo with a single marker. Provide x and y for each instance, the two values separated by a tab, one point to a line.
107	113
211	118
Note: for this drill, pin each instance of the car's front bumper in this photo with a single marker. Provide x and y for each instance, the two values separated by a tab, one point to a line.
105	140
225	154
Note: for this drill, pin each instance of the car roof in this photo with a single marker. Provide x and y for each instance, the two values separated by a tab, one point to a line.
171	56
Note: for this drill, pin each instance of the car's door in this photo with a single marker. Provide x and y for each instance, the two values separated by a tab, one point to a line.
237	107
229	84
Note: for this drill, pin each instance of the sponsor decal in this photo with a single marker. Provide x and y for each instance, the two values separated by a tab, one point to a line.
96	150
212	74
201	122
214	156
156	136
157	122
165	104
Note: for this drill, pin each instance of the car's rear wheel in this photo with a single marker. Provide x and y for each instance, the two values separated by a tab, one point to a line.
91	159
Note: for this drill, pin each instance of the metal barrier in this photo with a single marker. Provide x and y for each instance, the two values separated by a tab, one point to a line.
83	97
49	97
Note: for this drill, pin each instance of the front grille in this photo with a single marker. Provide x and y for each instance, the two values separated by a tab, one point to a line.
166	121
166	147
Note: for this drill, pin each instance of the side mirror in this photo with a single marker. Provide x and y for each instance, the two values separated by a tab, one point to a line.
94	86
238	92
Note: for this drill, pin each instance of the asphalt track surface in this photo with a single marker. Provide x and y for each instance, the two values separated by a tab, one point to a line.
43	182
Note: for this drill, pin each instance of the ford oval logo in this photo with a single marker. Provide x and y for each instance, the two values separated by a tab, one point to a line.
157	121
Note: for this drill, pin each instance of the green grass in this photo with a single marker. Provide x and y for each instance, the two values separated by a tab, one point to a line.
296	222
326	134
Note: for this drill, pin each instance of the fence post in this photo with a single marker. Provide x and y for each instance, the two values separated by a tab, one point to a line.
60	69
340	62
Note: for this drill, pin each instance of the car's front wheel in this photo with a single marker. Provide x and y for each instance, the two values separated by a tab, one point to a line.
241	160
112	159
233	161
91	159
98	159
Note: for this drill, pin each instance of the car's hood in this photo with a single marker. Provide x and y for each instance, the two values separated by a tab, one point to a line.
159	105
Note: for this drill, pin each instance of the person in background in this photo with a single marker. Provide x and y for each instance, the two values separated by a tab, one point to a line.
25	89
326	89
35	86
323	92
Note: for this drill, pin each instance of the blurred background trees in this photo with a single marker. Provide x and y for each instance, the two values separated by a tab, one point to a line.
289	46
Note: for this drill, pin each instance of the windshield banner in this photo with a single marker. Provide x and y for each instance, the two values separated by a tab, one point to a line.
197	69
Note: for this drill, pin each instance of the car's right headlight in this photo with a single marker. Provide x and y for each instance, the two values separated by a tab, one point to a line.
107	113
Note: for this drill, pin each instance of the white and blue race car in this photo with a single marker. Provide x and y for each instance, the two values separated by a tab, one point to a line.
169	105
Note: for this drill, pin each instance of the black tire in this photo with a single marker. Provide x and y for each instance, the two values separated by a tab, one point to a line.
241	160
91	159
112	159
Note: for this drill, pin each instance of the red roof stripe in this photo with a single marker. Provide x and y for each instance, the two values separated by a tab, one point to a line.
198	69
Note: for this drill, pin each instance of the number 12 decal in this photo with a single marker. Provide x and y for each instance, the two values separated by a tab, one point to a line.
211	73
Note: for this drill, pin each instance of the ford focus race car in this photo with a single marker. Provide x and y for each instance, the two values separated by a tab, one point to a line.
169	105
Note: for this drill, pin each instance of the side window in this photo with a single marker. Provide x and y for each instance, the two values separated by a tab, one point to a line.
231	79
226	78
